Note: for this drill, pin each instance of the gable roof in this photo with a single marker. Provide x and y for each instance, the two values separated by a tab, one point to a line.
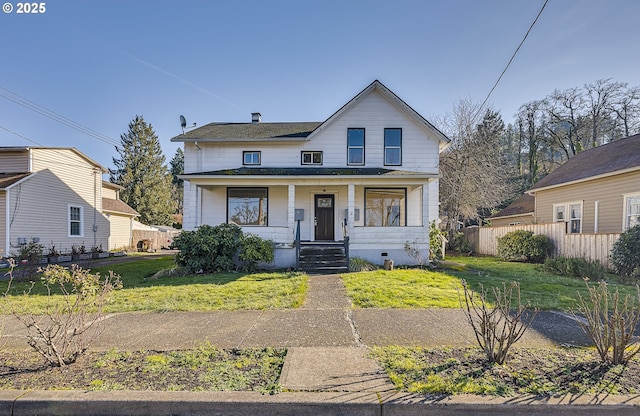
526	204
608	159
20	149
298	130
392	97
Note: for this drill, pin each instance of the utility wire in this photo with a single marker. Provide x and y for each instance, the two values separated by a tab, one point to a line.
24	102
510	60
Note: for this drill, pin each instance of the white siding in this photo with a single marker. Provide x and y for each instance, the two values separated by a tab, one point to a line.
3	224
39	208
109	193
374	113
14	162
120	232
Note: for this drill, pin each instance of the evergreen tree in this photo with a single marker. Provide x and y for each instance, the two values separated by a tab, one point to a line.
141	170
177	185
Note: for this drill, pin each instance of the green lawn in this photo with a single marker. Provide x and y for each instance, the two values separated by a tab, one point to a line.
415	288
222	291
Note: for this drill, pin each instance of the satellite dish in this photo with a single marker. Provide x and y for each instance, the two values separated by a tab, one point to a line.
183	123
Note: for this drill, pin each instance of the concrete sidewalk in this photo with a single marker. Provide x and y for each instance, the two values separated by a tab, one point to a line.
326	371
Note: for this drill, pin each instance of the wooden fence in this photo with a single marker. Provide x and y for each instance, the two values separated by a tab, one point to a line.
484	240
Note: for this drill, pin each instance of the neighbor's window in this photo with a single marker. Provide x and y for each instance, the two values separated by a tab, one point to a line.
247	206
251	158
558	212
75	221
575	218
632	211
355	146
393	146
385	207
312	158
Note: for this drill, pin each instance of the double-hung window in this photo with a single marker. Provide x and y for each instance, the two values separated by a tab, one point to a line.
355	146
76	221
251	158
631	211
247	206
393	147
385	207
570	213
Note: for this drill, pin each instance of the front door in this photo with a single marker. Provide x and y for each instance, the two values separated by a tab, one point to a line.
324	217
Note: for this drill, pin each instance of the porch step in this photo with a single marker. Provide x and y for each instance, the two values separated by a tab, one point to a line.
323	259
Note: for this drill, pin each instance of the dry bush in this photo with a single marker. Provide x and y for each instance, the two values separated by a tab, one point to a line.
73	313
497	326
610	323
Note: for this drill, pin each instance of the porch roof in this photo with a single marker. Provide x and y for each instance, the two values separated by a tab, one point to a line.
249	171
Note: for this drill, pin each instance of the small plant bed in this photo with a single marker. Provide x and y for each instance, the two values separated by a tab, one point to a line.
538	372
202	369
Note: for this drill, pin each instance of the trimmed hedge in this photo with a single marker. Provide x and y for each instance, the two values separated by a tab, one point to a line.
521	245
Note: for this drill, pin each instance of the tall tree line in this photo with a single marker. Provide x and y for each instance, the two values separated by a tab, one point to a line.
488	164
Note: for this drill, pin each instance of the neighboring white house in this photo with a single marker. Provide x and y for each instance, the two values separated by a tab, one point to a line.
57	197
370	172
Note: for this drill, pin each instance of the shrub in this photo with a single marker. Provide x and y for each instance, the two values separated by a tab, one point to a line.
496	327
610	323
73	315
574	267
436	238
459	244
358	264
214	249
254	249
625	255
521	245
28	257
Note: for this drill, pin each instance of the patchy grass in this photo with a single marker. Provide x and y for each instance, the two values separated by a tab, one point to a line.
142	292
402	288
537	372
541	289
416	288
202	369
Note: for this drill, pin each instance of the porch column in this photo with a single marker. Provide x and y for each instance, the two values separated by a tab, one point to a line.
351	204
427	215
291	208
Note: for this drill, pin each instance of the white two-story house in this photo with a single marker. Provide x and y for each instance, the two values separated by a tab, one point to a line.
369	172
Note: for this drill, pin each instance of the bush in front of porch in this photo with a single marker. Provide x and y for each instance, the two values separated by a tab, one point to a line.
210	249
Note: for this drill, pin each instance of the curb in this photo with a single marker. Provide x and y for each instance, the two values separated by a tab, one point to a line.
135	403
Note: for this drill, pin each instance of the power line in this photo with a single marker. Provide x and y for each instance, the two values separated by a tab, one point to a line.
21	136
24	102
510	60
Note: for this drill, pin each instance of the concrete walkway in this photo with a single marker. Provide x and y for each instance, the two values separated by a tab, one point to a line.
326	370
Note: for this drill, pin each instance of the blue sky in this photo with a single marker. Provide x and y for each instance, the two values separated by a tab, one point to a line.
100	62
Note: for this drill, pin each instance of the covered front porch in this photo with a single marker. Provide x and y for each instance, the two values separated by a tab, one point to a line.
377	216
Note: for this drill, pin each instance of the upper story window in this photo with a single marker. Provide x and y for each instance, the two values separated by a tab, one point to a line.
355	146
571	213
251	158
247	206
393	147
76	226
632	211
311	158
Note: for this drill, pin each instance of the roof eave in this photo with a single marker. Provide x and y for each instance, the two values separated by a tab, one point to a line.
239	140
532	191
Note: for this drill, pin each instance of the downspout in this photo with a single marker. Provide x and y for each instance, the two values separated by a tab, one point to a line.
7	210
95	208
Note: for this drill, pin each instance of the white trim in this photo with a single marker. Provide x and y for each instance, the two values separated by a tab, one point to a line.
567	214
596	220
625	197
